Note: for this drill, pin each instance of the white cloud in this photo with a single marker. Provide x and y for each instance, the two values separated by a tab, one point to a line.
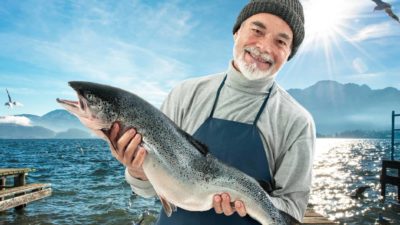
129	44
376	31
359	65
362	76
19	120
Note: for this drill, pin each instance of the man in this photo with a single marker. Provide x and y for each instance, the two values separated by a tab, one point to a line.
245	118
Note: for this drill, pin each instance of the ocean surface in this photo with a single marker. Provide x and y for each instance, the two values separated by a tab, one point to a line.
89	187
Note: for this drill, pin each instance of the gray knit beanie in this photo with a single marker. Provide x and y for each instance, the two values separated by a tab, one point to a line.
290	11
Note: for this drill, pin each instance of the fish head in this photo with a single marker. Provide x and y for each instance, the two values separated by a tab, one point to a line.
96	107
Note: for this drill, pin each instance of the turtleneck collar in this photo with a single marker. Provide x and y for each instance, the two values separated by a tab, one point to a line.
237	81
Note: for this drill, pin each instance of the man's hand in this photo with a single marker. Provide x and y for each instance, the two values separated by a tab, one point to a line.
127	150
222	204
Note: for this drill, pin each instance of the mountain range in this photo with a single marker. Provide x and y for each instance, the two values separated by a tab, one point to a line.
340	107
55	124
346	109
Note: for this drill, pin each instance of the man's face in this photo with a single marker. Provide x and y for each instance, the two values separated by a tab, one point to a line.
262	45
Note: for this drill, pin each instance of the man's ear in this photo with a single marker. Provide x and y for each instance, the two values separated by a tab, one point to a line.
235	35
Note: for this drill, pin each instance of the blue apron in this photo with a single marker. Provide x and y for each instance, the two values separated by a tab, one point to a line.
236	144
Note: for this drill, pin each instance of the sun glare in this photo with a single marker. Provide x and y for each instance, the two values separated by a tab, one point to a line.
324	19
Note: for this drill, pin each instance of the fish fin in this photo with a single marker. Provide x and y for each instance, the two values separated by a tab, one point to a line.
267	186
169	208
289	219
202	148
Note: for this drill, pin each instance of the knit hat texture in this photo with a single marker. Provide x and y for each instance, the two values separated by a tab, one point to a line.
291	11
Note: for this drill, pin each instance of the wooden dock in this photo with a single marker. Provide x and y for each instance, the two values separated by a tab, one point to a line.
314	218
19	193
387	179
391	164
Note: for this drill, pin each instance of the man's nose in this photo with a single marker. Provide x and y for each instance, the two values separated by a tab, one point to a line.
266	43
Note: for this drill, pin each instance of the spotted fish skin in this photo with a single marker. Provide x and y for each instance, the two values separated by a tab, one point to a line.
180	168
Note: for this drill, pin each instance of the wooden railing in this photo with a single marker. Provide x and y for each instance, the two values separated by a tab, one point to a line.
18	194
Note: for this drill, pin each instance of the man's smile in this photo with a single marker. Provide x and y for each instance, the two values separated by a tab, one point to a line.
261	62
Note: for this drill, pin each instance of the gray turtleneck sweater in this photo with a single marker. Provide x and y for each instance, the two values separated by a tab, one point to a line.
287	130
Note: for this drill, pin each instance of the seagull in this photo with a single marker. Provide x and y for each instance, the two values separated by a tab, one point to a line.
11	103
387	7
358	193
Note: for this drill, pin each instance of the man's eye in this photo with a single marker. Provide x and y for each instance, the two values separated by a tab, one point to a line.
282	43
257	31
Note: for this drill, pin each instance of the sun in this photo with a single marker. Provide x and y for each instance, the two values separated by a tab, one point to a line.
325	19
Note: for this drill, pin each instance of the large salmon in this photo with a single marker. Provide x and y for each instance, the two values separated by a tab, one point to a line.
180	168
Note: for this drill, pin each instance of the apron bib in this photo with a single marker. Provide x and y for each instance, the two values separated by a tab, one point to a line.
236	144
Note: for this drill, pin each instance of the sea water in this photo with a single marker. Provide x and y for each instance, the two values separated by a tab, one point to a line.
89	186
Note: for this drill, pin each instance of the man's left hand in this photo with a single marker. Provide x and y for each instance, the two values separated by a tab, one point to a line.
222	204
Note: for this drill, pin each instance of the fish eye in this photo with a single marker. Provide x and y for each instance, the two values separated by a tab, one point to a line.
89	96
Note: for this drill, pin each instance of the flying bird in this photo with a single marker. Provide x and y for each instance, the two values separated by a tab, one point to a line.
381	5
10	102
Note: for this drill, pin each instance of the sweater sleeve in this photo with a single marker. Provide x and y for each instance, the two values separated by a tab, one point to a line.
140	187
293	174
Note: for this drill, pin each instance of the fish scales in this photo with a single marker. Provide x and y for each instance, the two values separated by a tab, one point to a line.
179	168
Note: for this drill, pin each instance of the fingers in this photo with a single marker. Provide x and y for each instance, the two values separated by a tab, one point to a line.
124	140
139	158
222	204
132	148
226	205
240	209
217	204
113	134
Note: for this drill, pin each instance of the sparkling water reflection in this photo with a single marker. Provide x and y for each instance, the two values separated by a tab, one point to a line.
89	187
343	165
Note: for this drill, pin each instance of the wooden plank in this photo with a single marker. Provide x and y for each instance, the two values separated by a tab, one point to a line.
24	199
22	189
317	220
312	214
394	164
391	180
14	171
312	218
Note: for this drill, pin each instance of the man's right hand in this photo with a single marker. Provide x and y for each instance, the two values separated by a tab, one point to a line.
127	150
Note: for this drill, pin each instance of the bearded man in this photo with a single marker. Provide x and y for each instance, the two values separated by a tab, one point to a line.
244	117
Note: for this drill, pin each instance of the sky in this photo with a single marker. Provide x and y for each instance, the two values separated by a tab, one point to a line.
149	46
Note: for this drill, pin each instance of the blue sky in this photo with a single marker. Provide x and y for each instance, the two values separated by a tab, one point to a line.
147	47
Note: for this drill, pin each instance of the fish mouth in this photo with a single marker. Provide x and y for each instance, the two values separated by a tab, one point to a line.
80	108
75	107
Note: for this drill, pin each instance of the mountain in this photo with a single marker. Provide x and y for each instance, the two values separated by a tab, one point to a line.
14	131
55	124
72	134
57	120
339	107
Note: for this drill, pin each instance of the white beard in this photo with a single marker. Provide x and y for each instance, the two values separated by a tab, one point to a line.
250	70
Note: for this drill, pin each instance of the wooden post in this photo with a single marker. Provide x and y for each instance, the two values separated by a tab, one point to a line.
383	182
3	184
393	123
19	180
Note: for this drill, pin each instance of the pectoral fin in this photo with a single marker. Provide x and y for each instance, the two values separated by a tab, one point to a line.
169	208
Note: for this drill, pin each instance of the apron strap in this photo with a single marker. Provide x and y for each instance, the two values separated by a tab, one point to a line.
263	105
217	96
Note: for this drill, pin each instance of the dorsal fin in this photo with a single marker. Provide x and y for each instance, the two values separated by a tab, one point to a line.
267	186
202	148
169	208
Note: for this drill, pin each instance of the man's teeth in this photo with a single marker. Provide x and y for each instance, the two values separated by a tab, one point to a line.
258	58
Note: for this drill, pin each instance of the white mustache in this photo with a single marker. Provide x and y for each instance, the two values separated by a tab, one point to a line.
255	52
